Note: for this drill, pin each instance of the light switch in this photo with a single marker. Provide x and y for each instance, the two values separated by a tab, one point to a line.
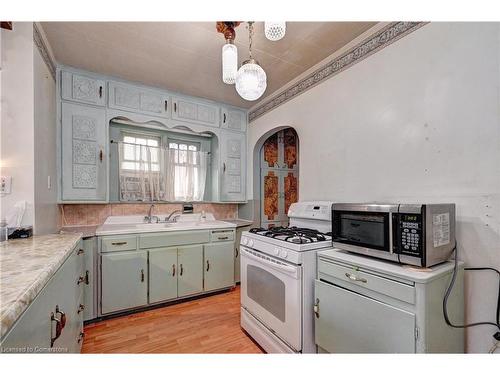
49	183
5	184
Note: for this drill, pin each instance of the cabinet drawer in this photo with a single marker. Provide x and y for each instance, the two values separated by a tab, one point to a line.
352	276
188	237
120	243
222	235
138	99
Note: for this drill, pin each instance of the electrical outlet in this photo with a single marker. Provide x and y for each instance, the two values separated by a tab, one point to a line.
5	184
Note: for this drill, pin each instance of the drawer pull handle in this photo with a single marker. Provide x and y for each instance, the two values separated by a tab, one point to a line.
87	281
182	271
100	155
80	251
81	336
236	252
62	319
175	106
224	118
58	329
355	278
142	275
166	106
223	238
100	91
81	307
119	243
208	265
173	269
316	308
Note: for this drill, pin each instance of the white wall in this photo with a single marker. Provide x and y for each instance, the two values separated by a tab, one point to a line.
17	132
416	122
28	129
46	209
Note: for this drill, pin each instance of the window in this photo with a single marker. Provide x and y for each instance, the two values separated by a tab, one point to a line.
137	158
186	169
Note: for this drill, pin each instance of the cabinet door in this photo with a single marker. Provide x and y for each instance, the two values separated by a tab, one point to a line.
138	99
162	274
233	119
233	162
190	276
83	150
196	112
347	322
83	89
219	265
124	281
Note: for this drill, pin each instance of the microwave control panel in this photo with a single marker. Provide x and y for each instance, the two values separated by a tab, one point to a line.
410	234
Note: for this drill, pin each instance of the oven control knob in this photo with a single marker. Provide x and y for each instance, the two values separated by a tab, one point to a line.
284	253
244	241
276	251
250	243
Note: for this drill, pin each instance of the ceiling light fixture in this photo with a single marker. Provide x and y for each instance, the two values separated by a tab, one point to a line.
229	51
251	79
274	30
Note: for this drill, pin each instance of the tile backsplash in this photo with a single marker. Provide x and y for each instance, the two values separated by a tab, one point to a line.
96	214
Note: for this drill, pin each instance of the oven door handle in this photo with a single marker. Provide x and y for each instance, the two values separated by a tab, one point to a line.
279	267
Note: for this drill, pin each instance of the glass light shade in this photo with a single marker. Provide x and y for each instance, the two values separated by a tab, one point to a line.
274	30
229	63
251	80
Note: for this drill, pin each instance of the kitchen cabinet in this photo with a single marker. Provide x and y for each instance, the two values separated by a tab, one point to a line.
83	88
61	297
233	119
163	274
138	99
190	261
83	150
232	164
194	111
279	177
124	282
218	265
89	246
364	305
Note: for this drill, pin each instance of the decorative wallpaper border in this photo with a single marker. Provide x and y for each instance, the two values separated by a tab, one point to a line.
374	43
40	44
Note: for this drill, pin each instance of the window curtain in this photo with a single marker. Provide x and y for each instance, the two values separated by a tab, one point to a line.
148	173
186	173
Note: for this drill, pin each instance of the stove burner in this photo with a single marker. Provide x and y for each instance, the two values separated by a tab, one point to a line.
293	234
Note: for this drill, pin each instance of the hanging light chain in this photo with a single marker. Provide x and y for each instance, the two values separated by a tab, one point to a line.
250	35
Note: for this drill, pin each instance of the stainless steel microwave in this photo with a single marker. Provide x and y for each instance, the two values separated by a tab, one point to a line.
418	234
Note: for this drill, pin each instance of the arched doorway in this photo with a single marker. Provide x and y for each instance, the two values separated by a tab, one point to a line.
279	173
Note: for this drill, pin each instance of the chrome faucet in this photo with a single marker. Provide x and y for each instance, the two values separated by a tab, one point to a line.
149	218
171	214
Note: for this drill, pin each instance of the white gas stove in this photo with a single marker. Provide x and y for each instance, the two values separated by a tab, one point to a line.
278	267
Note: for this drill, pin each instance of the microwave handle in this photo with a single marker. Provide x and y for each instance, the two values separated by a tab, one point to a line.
396	234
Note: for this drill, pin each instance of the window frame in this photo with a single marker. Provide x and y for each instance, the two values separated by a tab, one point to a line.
143	135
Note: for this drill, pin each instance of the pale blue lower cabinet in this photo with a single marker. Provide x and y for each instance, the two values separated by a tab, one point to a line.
35	330
218	265
163	274
190	260
124	280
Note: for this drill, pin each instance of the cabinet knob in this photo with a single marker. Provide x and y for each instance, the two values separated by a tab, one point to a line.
166	105
236	252
100	155
100	91
81	307
173	269
80	251
208	265
62	319
175	106
58	329
182	270
224	167
142	275
224	121
81	336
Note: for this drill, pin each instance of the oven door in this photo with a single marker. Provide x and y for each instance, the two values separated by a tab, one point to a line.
271	291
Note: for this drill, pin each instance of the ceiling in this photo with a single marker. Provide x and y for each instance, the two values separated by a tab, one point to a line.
186	56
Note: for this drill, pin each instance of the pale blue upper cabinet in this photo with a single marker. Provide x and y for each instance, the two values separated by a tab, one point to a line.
139	100
233	162
194	111
83	150
83	89
233	119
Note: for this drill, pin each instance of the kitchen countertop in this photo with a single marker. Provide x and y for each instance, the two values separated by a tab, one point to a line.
85	230
239	222
26	265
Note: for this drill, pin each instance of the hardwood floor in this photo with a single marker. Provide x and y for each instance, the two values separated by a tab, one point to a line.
205	325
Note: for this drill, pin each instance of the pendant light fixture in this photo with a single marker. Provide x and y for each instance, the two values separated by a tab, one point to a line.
229	51
274	30
251	79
